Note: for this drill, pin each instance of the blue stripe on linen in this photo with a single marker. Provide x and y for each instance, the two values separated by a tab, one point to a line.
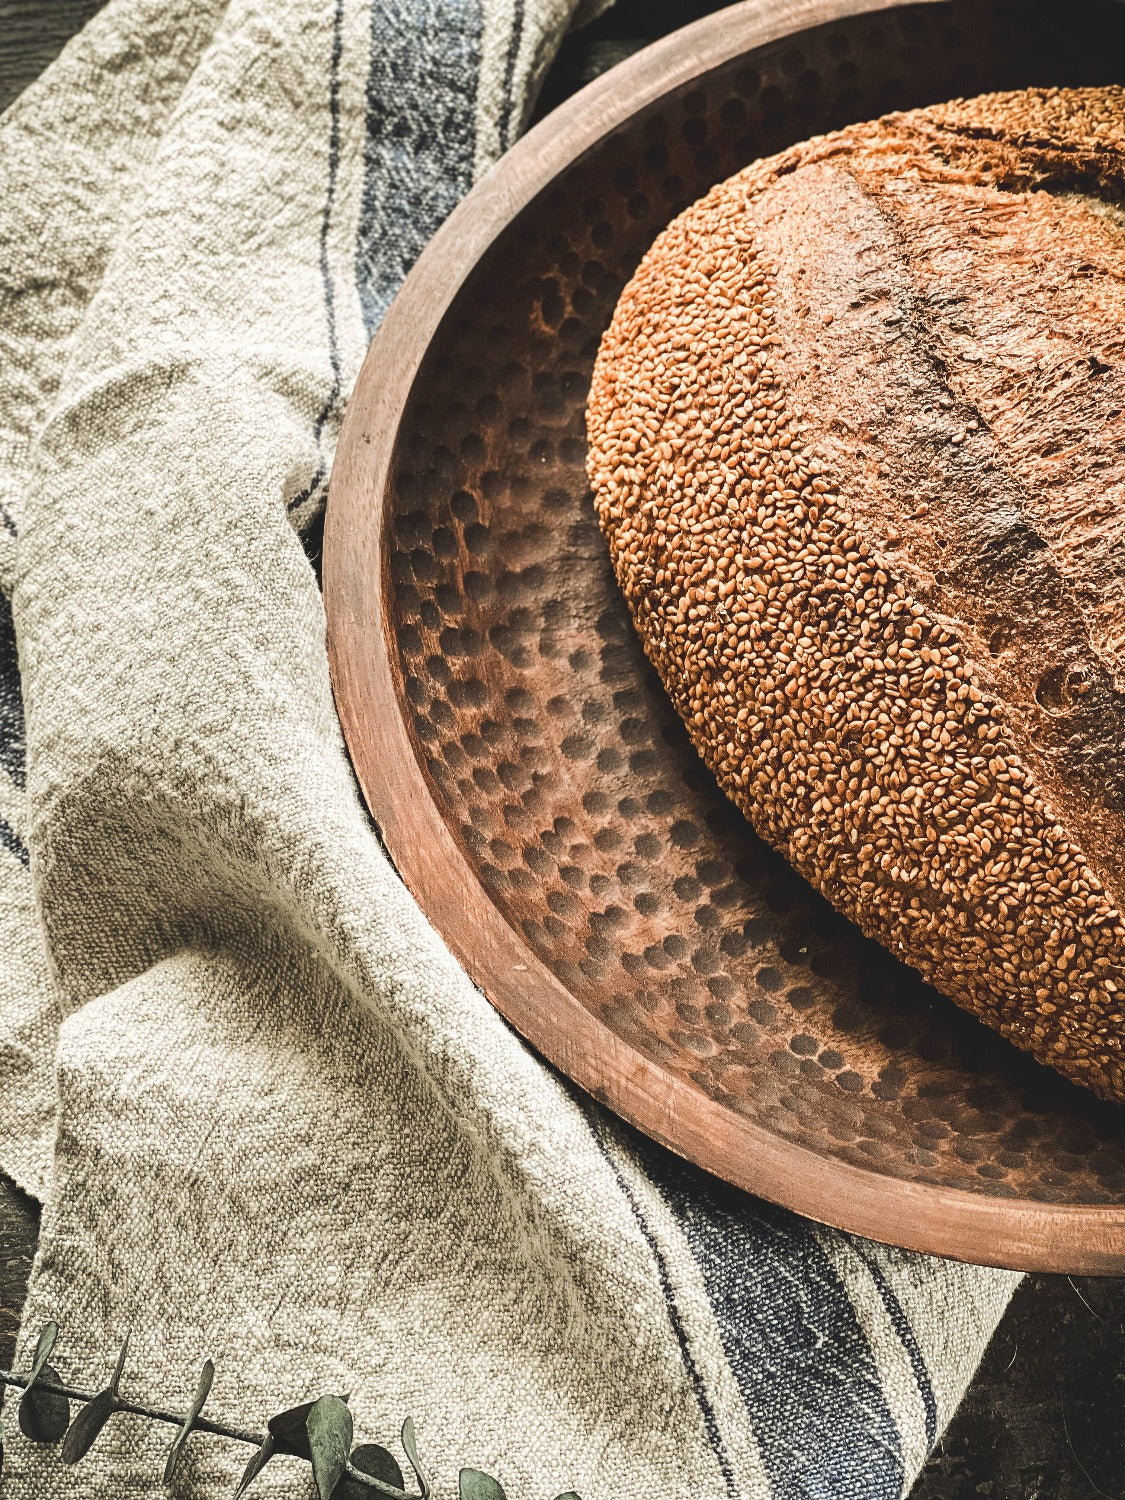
325	272
12	758
902	1328
509	73
418	154
10	840
793	1342
710	1421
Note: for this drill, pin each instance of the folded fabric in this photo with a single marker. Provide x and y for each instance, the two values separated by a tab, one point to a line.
277	1125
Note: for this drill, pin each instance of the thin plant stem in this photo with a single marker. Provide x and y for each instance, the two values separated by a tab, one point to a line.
202	1424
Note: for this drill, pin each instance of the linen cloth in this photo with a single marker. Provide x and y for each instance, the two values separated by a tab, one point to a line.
269	1118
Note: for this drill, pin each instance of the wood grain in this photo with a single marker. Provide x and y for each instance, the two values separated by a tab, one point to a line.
32	34
19	1227
456	615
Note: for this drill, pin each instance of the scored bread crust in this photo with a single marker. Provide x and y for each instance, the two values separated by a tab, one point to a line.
857	446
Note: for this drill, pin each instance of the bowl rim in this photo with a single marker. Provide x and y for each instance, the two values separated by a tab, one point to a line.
1015	1233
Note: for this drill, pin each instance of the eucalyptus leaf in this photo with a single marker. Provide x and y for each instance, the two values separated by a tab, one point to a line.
43	1346
202	1391
410	1448
29	1409
44	1416
115	1383
290	1432
476	1485
329	1426
84	1431
369	1458
375	1463
256	1465
570	1495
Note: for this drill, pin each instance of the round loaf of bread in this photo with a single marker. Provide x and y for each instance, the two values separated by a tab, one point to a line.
857	442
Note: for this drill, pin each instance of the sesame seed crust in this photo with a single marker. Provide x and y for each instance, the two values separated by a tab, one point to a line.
775	504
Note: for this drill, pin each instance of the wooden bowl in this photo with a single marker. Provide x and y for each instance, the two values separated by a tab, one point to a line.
517	753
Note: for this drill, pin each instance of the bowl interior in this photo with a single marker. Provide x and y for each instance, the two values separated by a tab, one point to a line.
545	739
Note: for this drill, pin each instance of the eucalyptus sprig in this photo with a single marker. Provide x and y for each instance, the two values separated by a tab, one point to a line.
320	1432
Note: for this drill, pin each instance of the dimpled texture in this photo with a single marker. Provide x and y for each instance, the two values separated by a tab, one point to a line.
855	447
545	739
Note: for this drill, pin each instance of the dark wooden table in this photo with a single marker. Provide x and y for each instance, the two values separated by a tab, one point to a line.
1045	1417
32	32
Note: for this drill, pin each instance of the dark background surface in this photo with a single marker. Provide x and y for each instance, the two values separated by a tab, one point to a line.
1045	1417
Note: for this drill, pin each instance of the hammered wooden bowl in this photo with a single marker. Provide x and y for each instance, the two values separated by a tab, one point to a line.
530	780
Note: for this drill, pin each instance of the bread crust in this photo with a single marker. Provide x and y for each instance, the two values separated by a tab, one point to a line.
857	444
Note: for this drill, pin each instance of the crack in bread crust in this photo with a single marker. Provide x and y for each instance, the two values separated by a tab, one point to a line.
934	416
